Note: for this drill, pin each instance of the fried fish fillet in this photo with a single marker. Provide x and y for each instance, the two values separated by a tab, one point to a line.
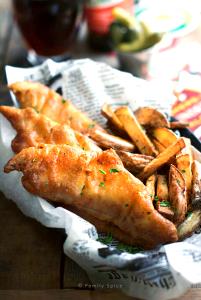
33	128
100	187
46	101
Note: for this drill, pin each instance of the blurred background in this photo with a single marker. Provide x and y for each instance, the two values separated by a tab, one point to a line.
156	40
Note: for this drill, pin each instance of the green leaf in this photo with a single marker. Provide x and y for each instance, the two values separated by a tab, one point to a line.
129	249
106	239
165	204
155	199
114	171
188	214
102	184
102	172
63	101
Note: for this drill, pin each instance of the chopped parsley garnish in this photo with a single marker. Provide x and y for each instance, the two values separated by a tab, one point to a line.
102	172
178	181
63	101
91	125
183	171
114	171
106	239
129	249
188	214
155	199
102	184
165	203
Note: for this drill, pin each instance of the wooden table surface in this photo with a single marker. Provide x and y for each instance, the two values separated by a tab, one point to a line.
32	262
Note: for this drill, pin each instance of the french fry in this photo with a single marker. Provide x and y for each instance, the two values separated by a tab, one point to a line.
178	125
184	163
162	188
135	131
177	194
166	212
108	113
196	185
159	147
164	136
162	158
107	141
150	185
134	162
149	116
190	224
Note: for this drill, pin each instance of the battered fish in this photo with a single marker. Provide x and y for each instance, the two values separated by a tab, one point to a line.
99	186
51	104
33	128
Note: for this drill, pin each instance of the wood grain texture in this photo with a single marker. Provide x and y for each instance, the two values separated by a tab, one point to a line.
30	254
74	275
69	294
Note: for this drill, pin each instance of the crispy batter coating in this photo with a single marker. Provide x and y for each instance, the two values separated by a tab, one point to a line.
51	104
33	128
99	186
48	102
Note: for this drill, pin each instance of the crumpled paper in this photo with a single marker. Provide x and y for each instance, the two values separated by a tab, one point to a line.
163	273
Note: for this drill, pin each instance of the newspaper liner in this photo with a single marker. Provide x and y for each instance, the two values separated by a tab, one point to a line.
164	273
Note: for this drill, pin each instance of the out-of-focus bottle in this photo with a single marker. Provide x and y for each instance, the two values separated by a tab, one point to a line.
99	17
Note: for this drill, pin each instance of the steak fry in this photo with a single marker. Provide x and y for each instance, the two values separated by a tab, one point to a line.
99	185
134	162
177	194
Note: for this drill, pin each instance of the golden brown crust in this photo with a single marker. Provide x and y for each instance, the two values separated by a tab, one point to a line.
100	186
48	102
33	128
51	104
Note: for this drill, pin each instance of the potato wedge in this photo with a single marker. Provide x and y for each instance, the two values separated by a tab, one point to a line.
162	188
196	185
135	131
190	224
177	194
164	136
151	117
162	158
184	164
107	141
134	162
109	114
150	185
159	147
178	125
166	212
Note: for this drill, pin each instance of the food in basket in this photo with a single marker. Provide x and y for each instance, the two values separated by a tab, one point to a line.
141	199
53	106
